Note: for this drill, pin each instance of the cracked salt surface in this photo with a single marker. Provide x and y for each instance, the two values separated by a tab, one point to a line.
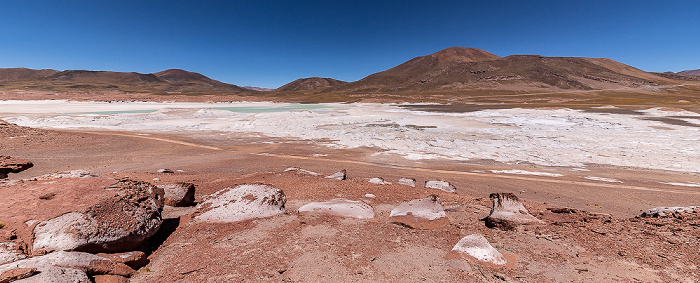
550	137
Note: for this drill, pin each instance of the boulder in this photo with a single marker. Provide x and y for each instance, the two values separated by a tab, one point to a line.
378	181
13	165
340	207
441	185
477	247
425	213
508	212
407	182
178	194
666	211
340	175
56	274
240	203
88	263
119	223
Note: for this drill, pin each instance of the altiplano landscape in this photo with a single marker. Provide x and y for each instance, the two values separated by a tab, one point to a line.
355	144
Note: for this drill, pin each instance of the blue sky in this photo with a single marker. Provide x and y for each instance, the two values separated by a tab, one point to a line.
269	43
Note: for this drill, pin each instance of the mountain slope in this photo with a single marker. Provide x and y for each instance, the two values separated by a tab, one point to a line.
459	68
312	83
690	72
18	74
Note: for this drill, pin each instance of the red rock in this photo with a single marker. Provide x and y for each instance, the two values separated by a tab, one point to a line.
13	165
16	274
135	259
110	279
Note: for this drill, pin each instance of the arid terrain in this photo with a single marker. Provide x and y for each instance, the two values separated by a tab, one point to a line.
567	167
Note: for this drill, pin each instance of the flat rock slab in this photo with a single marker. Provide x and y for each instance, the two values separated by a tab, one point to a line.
666	211
118	223
16	274
240	203
508	212
340	207
13	165
477	247
85	262
425	213
441	185
179	194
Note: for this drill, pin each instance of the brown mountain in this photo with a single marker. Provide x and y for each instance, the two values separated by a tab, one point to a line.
18	74
191	81
312	83
173	80
690	72
463	69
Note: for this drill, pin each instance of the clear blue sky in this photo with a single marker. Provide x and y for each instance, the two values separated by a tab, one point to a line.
269	43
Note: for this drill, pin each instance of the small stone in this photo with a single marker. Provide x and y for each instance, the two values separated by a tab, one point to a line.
370	196
165	171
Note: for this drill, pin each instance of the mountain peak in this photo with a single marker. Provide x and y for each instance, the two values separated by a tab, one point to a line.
178	75
464	54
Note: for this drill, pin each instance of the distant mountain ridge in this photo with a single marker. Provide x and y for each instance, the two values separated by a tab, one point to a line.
690	72
462	68
171	80
313	83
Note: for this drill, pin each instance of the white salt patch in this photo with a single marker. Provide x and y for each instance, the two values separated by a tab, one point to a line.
341	207
407	182
689	184
478	247
441	185
370	196
610	180
304	171
523	172
549	137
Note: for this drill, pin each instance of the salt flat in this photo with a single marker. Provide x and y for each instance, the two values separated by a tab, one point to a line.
550	137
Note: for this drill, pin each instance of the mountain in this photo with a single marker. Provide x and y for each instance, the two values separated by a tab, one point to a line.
312	83
690	72
17	74
463	69
173	80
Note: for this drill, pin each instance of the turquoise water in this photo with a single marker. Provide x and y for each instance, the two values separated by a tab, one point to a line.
237	109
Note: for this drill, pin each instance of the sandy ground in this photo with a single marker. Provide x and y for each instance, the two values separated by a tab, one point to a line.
601	244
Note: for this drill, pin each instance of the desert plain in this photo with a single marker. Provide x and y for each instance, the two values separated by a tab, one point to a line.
582	167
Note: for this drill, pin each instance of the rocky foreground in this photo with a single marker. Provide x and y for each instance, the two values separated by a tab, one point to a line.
302	226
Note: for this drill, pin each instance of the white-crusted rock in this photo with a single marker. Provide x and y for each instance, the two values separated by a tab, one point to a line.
425	213
10	251
340	207
378	181
407	182
78	173
508	212
476	246
665	211
441	185
340	175
241	203
85	262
